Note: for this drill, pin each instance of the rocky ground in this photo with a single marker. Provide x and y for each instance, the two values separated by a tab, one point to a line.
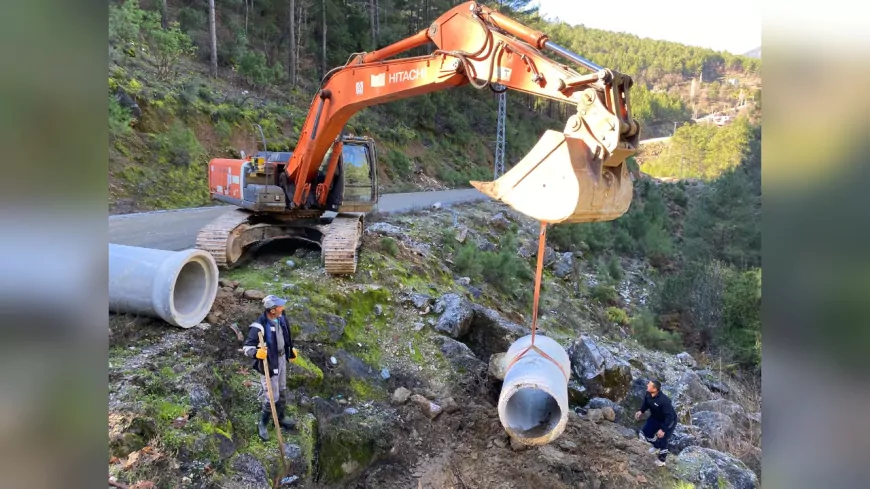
397	386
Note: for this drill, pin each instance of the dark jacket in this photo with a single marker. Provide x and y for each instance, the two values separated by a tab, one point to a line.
661	409
252	342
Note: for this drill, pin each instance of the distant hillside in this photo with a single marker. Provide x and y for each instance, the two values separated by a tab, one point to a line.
755	53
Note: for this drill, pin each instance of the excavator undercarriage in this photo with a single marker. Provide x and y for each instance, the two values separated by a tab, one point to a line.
228	237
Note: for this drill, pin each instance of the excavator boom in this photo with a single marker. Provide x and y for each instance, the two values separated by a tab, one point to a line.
575	176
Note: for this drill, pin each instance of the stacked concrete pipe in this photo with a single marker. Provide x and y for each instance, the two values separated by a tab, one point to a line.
533	404
178	287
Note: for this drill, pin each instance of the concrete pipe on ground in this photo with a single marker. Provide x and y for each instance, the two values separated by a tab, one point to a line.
533	404
178	287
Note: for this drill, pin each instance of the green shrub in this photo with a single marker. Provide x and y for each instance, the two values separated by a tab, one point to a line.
255	68
502	269
594	236
389	246
605	294
657	245
645	331
741	336
398	165
467	260
168	46
448	239
179	146
224	130
119	118
617	315
615	268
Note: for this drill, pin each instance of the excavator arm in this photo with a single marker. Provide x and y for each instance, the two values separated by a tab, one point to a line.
579	175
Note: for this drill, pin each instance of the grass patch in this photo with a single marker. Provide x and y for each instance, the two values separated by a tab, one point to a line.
363	326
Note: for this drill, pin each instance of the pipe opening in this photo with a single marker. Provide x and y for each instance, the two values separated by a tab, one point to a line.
191	289
532	413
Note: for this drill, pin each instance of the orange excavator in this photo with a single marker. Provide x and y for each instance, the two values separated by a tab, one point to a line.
578	175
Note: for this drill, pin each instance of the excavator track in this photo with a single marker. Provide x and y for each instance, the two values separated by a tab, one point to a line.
218	237
340	246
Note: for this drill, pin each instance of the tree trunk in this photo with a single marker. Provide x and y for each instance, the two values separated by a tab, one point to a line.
292	50
426	17
323	38
212	32
303	23
372	10
164	15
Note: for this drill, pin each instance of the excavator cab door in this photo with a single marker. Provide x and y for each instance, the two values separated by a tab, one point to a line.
358	175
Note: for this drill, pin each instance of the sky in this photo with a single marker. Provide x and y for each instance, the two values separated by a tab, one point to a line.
733	25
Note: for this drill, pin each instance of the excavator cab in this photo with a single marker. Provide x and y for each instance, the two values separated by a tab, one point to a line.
355	185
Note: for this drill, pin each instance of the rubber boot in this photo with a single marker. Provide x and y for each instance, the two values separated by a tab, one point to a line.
283	420
262	428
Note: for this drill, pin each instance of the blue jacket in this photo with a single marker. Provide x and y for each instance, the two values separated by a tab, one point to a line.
267	327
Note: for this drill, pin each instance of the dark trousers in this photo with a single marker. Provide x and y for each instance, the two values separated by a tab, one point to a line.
650	428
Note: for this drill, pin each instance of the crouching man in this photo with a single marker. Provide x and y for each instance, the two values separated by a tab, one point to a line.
662	420
278	350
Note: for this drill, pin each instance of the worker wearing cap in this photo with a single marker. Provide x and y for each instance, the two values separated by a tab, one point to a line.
279	348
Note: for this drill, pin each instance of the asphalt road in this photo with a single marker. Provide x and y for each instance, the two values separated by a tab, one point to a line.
176	230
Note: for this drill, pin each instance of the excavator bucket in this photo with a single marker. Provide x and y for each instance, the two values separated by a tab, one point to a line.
563	180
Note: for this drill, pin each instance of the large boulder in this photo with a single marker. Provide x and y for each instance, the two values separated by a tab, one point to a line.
497	365
490	333
713	382
349	443
550	256
712	469
247	473
326	328
456	315
686	359
462	358
598	370
303	373
689	390
684	437
352	367
129	433
731	409
578	395
499	221
564	265
620	415
420	301
714	425
632	401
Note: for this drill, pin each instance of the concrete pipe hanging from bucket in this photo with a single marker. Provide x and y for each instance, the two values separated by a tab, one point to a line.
533	404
